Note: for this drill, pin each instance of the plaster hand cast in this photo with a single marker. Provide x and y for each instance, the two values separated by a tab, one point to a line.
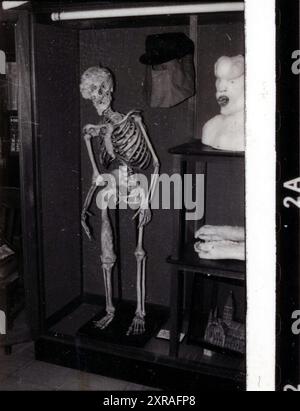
226	131
122	138
220	243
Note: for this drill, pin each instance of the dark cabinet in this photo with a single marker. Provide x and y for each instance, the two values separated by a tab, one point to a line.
62	268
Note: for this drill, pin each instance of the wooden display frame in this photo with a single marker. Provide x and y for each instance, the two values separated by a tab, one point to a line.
151	366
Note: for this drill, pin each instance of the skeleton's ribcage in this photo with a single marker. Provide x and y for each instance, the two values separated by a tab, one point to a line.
129	144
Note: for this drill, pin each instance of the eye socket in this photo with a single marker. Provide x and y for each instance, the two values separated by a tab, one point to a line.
102	89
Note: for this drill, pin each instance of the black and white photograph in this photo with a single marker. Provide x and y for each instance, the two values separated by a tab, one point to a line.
146	243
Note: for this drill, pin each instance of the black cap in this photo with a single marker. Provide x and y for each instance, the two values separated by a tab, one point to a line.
161	48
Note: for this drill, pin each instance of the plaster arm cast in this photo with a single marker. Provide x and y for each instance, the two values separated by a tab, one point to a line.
221	243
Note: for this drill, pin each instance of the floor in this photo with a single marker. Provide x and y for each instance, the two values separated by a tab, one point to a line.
21	372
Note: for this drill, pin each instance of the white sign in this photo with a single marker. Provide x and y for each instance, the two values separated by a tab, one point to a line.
2	62
2	323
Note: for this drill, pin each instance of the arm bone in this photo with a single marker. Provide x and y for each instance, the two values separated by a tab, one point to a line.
93	188
156	163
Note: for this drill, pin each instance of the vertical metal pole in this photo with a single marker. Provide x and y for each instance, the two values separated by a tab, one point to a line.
193	101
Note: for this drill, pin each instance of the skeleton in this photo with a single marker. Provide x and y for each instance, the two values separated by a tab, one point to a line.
122	138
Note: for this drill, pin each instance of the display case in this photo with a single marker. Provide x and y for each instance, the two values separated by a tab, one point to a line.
62	268
9	139
208	276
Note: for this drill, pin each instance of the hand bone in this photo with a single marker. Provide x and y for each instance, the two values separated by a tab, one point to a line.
84	224
145	216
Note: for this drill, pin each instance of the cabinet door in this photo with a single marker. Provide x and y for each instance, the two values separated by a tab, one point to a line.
51	167
28	177
58	141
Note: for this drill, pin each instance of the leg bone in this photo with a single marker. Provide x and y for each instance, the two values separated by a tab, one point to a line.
108	259
138	324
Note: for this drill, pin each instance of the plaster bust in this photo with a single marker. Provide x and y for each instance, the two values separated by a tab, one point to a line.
226	131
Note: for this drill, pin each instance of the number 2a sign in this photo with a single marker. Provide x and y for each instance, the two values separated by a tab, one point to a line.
2	62
293	186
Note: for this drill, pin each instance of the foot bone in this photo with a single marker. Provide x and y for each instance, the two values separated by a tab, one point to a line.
104	322
138	326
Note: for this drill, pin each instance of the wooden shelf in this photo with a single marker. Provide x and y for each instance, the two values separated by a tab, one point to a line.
196	148
223	269
218	350
185	259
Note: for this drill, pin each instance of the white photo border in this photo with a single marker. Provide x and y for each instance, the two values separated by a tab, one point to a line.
261	194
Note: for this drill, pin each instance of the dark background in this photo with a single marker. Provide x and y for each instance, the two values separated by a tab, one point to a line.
120	50
66	171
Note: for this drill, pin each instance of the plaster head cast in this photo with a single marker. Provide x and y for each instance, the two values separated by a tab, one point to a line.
227	130
97	85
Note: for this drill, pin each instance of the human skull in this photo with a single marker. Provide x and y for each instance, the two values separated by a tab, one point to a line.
97	85
230	84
